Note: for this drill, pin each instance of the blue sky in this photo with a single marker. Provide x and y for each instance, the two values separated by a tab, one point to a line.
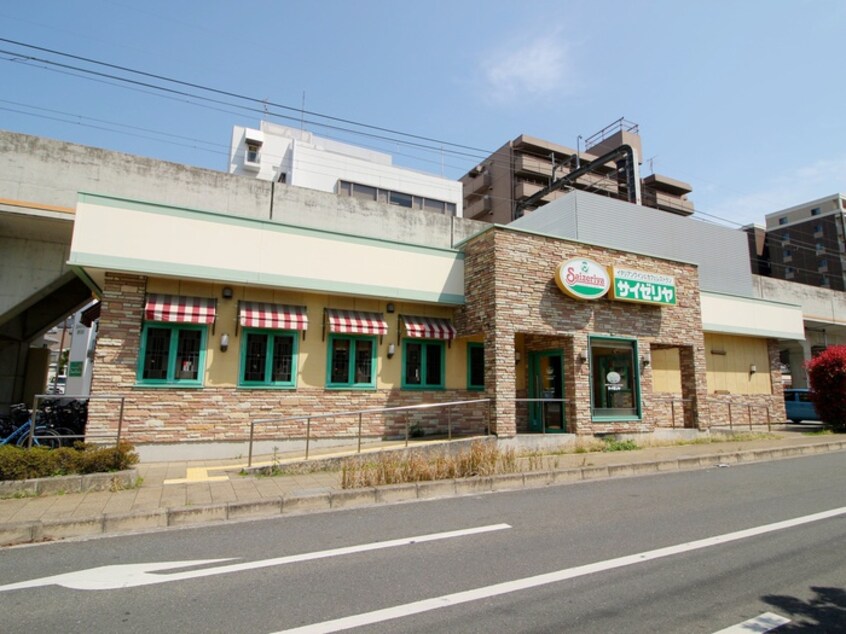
743	99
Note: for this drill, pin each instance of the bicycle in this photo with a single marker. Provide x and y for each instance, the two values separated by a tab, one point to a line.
43	436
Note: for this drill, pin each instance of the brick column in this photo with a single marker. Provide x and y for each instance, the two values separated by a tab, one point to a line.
118	345
499	356
694	386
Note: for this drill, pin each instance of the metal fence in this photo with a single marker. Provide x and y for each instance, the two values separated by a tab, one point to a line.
360	414
37	425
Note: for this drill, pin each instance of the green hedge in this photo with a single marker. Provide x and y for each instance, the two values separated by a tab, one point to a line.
17	463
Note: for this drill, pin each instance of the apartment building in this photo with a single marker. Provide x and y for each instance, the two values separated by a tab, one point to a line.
297	157
501	187
806	244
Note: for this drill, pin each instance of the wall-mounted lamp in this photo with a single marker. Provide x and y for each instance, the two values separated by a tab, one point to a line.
226	292
753	368
390	307
516	357
224	342
582	357
644	360
392	350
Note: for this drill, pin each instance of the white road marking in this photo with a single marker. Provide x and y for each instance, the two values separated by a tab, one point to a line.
448	600
132	575
761	623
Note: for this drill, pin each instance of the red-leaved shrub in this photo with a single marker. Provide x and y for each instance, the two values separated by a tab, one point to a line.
827	376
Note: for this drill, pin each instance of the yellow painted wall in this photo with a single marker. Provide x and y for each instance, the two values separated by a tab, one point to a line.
666	370
222	367
729	372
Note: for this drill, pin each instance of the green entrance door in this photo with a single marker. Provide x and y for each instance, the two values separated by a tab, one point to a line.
546	381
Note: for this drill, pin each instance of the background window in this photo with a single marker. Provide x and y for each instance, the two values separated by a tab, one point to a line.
476	366
352	361
172	354
423	365
268	358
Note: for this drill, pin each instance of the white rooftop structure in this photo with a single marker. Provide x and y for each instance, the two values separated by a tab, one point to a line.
297	157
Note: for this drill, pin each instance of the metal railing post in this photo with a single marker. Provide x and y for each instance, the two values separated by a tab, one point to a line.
731	423
250	451
120	419
673	413
308	435
449	423
769	420
749	414
406	431
359	431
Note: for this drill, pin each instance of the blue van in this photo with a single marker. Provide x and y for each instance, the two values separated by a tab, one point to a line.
798	404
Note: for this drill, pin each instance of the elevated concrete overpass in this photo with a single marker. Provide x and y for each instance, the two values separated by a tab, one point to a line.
37	290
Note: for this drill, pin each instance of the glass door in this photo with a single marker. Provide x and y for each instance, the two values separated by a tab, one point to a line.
546	381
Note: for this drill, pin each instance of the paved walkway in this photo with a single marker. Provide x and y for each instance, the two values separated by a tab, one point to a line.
179	493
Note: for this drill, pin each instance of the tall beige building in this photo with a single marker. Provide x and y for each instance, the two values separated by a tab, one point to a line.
499	188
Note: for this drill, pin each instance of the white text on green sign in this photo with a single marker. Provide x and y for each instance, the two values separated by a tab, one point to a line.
640	286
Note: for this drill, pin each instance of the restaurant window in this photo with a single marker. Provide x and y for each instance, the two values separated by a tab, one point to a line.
423	364
475	366
614	379
268	358
172	354
352	362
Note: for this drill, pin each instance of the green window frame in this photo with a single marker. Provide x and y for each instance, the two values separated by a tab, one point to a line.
268	358
172	354
423	364
351	362
475	366
620	400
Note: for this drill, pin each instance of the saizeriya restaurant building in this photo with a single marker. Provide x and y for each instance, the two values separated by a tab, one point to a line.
210	320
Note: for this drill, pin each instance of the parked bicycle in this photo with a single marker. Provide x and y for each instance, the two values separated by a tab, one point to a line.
17	429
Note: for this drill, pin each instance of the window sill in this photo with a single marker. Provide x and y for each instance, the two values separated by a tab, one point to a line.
616	419
247	386
360	388
169	386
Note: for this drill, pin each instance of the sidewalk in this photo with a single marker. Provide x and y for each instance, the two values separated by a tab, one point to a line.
182	493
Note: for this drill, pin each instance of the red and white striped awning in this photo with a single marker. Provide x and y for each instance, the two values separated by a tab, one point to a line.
276	316
180	309
428	327
356	322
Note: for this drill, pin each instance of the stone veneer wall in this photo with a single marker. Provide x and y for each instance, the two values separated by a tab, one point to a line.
224	413
510	289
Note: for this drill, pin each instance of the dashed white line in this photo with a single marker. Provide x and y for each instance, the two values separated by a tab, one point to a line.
762	623
448	600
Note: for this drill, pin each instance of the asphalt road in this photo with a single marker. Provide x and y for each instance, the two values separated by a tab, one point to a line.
591	557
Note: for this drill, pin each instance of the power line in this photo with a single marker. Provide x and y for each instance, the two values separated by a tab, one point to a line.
239	96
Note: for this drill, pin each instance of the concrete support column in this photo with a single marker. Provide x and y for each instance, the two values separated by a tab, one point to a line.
798	358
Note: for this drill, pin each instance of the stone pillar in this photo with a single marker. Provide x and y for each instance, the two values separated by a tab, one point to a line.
118	344
499	358
694	381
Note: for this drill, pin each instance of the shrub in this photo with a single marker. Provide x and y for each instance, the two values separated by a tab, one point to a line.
827	375
17	463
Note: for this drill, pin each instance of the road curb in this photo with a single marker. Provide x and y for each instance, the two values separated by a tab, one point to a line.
316	501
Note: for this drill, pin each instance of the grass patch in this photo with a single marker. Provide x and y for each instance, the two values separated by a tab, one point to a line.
480	459
819	432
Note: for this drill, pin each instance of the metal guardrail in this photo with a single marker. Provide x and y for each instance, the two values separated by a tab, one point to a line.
673	400
749	406
360	414
81	397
